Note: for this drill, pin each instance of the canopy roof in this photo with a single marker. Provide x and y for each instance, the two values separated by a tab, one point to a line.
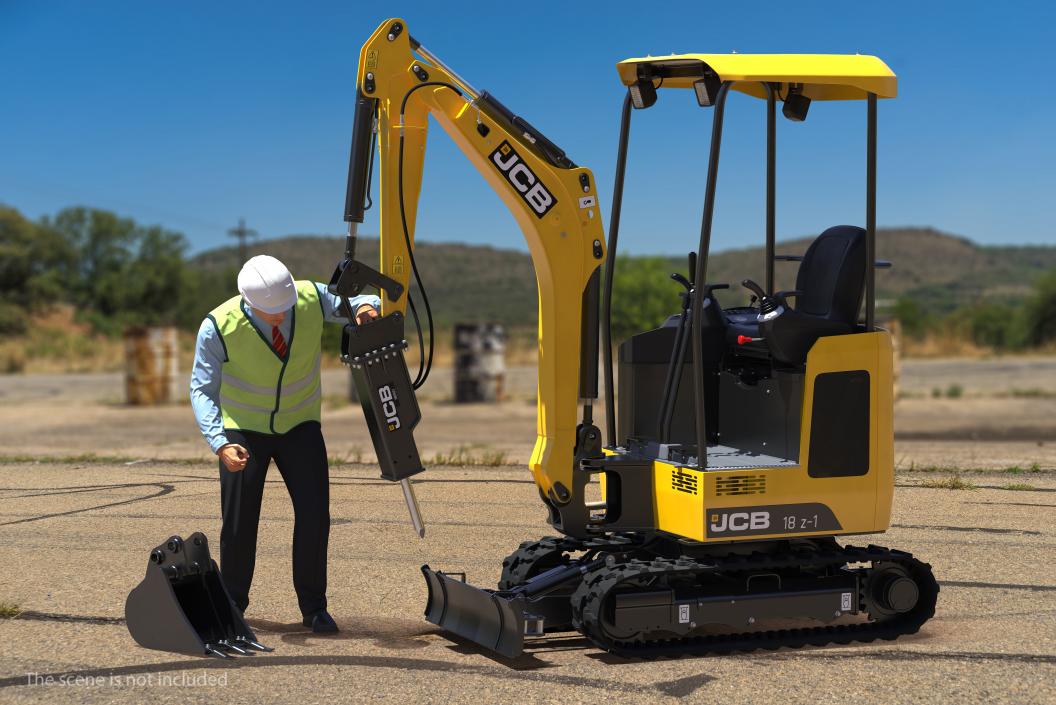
824	76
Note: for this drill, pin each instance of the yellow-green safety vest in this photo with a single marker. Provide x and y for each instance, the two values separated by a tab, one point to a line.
261	391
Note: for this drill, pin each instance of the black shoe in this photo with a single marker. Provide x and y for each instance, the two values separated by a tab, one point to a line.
321	622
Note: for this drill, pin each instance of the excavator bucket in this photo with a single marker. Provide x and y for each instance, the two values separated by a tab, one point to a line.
182	605
482	616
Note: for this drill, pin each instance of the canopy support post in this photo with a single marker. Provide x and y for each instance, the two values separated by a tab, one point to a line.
700	276
870	216
771	184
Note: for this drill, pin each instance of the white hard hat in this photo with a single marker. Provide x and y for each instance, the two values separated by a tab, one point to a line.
267	285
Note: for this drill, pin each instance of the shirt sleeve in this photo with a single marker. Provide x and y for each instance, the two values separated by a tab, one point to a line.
332	303
209	356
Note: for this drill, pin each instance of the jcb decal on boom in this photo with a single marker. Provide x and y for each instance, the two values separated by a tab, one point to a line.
532	190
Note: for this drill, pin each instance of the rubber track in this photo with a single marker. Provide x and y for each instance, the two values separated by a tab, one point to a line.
520	565
589	599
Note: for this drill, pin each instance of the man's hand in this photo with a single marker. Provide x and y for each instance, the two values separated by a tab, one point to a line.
233	456
366	313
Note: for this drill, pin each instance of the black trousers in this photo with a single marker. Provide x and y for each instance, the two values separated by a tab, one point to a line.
300	455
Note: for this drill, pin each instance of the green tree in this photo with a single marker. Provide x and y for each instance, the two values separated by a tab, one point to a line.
122	273
914	319
204	290
992	324
32	260
103	244
643	295
158	283
1040	311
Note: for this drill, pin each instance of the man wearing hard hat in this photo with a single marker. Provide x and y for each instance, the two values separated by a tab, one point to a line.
255	390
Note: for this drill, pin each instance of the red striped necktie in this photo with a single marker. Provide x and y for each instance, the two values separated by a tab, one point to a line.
278	342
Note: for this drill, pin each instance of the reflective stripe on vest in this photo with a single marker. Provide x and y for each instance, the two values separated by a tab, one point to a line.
259	390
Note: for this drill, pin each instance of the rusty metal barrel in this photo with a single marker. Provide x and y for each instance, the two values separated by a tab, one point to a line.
151	366
480	362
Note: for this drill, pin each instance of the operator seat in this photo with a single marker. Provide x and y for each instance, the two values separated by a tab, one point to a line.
828	295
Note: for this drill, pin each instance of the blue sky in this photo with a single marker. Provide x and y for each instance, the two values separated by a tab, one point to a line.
193	114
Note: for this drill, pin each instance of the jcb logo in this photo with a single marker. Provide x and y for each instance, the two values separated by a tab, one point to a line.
388	407
739	521
532	190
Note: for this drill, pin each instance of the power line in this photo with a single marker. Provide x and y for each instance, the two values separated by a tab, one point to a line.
243	234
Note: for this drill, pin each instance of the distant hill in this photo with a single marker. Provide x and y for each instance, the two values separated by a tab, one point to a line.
465	282
940	271
478	282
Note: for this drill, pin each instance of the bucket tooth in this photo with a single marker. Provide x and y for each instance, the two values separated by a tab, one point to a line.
181	604
212	650
256	645
237	649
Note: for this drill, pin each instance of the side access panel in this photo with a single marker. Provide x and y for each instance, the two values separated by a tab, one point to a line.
844	480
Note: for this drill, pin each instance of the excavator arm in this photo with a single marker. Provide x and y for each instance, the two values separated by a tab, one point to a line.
399	85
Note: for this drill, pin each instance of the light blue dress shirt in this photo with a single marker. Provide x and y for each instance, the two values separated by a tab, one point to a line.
209	362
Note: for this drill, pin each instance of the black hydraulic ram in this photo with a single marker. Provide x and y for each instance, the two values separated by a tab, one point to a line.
374	349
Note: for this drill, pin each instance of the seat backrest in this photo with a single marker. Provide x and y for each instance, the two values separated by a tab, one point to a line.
832	275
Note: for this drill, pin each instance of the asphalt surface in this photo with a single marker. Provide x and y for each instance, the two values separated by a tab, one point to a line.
89	486
75	540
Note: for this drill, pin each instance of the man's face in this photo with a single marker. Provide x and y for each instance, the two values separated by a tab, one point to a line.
272	319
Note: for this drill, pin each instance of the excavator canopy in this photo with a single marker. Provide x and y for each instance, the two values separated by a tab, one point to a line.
823	76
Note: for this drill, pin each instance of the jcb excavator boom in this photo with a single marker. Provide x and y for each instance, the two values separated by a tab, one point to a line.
399	85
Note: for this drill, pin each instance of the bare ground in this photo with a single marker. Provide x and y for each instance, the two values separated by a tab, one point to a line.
76	539
76	529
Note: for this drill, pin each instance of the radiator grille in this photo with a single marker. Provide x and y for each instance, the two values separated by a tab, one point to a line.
682	481
740	485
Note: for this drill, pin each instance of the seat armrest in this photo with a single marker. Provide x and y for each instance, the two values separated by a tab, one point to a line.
781	296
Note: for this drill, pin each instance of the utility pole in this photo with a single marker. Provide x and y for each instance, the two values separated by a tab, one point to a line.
243	234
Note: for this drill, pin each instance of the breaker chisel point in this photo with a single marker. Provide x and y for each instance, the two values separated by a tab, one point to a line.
412	507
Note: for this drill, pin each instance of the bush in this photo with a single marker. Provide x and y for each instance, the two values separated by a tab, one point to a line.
913	318
997	326
12	319
1040	312
643	295
12	361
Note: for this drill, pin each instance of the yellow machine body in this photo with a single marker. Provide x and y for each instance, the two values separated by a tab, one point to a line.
682	554
686	499
567	247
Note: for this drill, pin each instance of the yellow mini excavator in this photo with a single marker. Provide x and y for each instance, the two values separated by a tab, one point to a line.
746	440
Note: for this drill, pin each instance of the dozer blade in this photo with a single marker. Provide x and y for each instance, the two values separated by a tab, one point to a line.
182	605
484	617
